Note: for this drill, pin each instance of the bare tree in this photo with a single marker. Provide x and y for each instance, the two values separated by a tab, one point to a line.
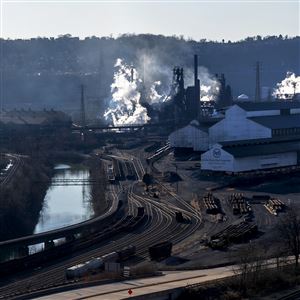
250	264
289	232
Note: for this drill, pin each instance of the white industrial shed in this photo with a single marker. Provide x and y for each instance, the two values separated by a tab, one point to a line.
236	126
243	158
246	121
192	136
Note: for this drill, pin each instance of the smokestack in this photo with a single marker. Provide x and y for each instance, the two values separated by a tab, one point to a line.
257	85
195	69
131	72
197	87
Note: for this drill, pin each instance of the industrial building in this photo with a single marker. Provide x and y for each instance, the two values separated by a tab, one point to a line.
193	137
255	136
251	156
251	120
251	136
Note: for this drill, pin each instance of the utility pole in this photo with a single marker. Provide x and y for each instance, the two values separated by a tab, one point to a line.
82	107
257	85
82	111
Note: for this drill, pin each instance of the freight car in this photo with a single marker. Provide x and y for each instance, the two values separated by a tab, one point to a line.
158	154
130	172
126	253
110	173
179	217
96	264
160	251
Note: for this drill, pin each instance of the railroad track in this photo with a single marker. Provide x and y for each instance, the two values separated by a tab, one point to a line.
160	224
292	296
54	275
17	162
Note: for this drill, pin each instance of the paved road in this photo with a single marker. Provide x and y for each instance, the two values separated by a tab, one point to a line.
119	290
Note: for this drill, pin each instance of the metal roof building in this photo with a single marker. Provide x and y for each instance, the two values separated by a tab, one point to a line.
243	158
255	136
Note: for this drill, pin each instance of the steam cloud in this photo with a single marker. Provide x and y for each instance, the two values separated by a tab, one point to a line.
125	107
135	89
287	87
209	85
129	94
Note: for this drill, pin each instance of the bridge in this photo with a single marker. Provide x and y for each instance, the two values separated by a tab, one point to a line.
125	128
73	181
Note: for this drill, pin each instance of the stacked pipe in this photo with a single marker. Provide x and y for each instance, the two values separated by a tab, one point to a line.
210	204
239	204
235	233
275	205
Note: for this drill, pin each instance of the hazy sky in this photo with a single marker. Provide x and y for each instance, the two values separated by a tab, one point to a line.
214	20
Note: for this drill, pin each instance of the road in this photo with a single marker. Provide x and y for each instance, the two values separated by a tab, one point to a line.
171	280
119	290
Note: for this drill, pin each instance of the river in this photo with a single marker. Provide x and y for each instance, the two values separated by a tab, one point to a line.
65	205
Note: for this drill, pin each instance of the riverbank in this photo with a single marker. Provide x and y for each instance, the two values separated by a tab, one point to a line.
22	202
22	199
98	191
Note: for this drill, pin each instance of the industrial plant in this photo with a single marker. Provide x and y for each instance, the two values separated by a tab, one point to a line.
166	176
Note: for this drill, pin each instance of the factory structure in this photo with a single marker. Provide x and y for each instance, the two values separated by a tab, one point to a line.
185	104
249	136
28	123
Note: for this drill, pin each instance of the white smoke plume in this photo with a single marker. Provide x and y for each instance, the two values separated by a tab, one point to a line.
287	87
155	76
125	107
135	89
154	96
209	85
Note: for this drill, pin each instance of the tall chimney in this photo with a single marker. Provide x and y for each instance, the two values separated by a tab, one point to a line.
131	74
197	108
195	69
257	85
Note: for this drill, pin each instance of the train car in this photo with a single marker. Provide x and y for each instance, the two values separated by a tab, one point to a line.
110	173
179	217
76	271
160	251
141	211
126	252
94	264
110	257
118	169
130	172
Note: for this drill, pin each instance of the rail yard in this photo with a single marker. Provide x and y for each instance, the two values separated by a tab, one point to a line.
197	226
155	181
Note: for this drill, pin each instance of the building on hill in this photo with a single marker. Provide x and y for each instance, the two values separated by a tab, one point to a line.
31	118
